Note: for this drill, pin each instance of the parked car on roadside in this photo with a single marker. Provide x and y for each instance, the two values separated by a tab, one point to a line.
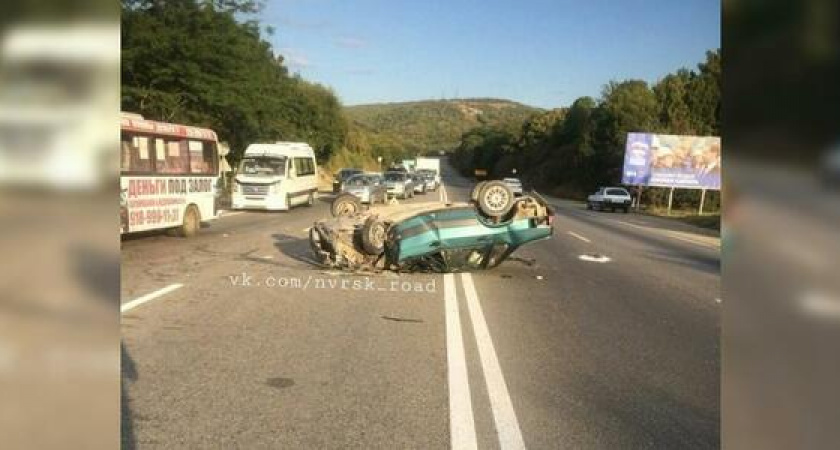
514	184
611	198
399	184
342	175
369	188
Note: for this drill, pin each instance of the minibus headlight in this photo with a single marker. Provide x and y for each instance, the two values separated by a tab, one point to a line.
237	188
275	188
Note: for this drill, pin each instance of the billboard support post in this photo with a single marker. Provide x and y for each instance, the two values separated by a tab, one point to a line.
702	201
639	198
670	200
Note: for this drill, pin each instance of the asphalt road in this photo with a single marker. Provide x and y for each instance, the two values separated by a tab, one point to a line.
234	339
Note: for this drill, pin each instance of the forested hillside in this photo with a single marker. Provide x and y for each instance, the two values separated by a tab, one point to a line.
199	63
433	125
571	151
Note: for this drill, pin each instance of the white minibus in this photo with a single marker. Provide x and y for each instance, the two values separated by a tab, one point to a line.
276	177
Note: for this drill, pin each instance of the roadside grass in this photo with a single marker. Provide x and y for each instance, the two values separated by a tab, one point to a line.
709	221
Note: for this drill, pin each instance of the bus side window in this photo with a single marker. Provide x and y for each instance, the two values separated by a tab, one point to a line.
202	157
138	155
304	166
172	157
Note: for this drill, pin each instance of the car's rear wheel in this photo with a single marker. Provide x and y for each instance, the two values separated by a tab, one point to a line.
373	236
495	199
345	205
589	205
476	189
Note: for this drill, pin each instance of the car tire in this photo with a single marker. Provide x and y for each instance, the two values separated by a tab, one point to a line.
373	236
626	210
345	205
476	189
495	199
589	205
191	222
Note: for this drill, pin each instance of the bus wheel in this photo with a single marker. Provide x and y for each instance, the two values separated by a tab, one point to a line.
192	221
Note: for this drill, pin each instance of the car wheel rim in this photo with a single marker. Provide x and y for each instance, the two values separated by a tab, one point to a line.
346	209
379	235
496	198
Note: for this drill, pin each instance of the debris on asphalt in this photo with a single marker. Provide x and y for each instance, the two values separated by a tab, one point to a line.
594	257
401	319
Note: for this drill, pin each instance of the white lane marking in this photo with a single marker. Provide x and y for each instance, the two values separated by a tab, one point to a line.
595	258
507	426
461	422
718	300
225	213
444	198
579	236
150	296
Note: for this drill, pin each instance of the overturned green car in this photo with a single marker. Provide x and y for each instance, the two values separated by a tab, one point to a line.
432	236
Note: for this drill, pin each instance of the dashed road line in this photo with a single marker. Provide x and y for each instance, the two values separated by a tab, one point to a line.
148	297
504	416
461	421
582	238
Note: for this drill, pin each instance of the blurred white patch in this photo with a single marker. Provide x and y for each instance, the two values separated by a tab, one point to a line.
820	304
59	98
595	258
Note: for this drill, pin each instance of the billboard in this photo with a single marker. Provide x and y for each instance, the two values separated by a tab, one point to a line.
665	160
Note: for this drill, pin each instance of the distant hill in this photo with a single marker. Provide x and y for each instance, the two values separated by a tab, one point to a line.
432	125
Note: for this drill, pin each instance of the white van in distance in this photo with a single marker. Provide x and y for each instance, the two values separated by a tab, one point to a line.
276	177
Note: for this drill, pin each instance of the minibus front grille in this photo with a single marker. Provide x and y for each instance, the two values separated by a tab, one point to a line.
255	189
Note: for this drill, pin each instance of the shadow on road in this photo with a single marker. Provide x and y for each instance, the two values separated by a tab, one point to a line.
128	374
295	248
